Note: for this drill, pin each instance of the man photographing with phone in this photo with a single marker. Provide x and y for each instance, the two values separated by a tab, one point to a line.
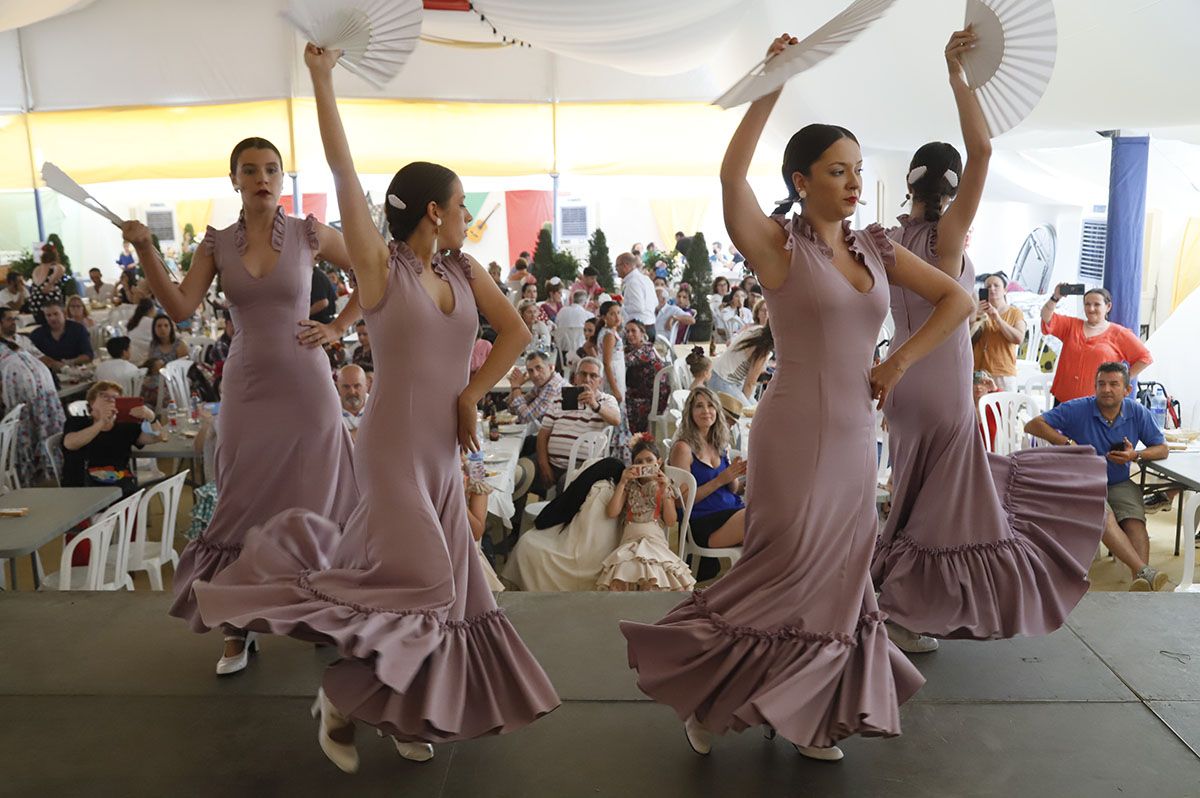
1113	423
561	426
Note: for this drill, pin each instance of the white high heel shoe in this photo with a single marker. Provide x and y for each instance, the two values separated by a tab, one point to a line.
337	741
238	662
910	642
698	737
413	752
826	754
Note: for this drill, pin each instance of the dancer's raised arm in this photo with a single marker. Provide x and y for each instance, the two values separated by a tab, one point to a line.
957	220
367	252
750	230
179	300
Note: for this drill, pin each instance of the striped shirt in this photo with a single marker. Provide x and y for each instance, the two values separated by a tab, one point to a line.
529	409
565	426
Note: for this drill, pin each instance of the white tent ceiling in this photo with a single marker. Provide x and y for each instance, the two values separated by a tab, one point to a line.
1121	64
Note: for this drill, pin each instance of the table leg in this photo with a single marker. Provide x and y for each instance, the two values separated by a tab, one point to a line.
1179	520
33	564
12	574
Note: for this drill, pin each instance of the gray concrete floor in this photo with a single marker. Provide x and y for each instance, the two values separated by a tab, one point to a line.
104	695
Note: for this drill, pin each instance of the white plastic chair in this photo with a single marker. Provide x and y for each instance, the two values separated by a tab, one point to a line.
1191	520
87	577
1011	410
884	472
116	563
1033	338
685	490
568	339
658	415
1037	388
687	545
54	455
587	446
174	376
720	331
152	556
8	448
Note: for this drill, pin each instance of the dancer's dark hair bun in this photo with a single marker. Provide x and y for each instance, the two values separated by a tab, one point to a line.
416	185
938	158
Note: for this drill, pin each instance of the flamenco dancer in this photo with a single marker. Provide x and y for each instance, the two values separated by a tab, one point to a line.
976	546
427	655
282	443
791	638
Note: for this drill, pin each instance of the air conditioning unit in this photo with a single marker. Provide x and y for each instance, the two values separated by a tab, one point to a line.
160	218
573	222
1091	250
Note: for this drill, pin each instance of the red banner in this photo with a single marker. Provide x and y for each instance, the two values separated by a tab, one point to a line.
527	212
316	204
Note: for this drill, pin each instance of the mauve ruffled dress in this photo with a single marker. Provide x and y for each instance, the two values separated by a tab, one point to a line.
281	442
428	656
977	545
791	636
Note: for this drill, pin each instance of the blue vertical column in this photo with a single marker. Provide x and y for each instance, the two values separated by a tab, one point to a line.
1126	225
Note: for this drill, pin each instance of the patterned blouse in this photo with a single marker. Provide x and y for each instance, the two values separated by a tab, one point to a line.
643	501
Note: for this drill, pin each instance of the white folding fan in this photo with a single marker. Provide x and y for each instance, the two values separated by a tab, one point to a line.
376	37
61	182
773	71
1013	59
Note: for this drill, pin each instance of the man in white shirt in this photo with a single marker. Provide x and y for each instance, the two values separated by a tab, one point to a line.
352	388
120	367
637	292
13	295
99	291
8	331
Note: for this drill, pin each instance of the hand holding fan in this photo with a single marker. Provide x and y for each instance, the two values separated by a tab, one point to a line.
61	182
375	36
773	71
1013	58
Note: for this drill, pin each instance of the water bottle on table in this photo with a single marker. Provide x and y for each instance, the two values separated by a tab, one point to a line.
1158	409
173	415
475	467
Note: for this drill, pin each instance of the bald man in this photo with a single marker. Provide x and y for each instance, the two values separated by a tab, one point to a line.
352	388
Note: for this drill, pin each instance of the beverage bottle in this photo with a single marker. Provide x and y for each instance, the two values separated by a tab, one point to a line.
475	467
194	410
172	415
1158	409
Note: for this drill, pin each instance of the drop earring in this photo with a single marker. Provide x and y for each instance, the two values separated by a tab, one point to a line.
803	194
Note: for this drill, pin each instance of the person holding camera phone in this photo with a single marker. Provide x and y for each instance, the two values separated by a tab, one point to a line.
97	447
996	332
968	550
581	408
1088	342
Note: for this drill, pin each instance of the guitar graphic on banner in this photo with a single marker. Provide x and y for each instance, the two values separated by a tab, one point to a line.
479	226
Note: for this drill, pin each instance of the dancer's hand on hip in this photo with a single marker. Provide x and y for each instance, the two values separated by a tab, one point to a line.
883	379
468	426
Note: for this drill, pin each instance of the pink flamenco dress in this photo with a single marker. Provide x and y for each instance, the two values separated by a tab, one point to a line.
281	441
977	545
427	656
791	637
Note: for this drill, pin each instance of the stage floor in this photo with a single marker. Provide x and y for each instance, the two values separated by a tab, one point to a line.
104	695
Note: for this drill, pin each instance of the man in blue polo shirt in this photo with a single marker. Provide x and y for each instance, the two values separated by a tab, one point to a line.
1113	424
61	341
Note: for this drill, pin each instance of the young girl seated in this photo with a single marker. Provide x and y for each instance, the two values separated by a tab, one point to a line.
477	491
644	560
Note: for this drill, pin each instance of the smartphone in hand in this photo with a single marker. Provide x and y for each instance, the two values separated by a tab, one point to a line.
570	397
1073	289
983	294
124	405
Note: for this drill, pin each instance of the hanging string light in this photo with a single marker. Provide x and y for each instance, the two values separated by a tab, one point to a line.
508	41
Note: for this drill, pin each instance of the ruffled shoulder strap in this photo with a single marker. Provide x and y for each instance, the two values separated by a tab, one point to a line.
456	258
209	242
878	237
310	233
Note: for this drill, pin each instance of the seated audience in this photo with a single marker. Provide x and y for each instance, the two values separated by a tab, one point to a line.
553	303
25	379
62	342
166	345
479	350
642	364
77	310
646	507
362	353
352	388
734	313
997	331
674	320
119	368
219	351
13	295
204	497
477	491
1113	423
547	388
322	298
529	291
560	428
497	276
516	278
737	369
588	349
97	447
699	366
590	286
140	329
983	384
537	324
8	332
718	515
98	290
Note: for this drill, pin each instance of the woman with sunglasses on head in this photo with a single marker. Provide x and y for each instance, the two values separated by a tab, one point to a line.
790	638
427	657
282	443
969	549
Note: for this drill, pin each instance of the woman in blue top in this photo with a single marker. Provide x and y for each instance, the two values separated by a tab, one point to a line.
718	517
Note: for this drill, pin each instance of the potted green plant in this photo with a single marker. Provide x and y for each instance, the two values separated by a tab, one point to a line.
599	259
697	272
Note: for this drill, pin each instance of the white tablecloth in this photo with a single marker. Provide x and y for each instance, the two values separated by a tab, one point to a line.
500	459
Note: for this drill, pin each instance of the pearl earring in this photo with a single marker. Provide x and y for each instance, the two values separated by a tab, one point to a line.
803	194
439	221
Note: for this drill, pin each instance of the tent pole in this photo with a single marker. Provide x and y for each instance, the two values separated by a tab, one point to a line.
297	197
26	107
554	144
